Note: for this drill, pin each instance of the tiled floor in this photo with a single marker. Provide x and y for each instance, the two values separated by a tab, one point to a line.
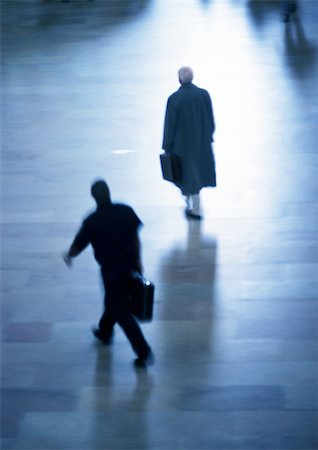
84	89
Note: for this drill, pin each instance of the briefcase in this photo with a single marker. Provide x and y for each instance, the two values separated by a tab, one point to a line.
171	167
141	297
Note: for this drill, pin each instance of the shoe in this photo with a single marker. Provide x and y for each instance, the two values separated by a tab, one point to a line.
142	363
192	215
99	335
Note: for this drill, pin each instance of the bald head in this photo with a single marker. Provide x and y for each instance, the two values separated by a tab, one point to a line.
185	74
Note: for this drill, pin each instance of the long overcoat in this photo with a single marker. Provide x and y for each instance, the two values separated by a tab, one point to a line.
188	132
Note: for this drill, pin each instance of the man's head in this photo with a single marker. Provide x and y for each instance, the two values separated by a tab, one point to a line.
100	192
185	75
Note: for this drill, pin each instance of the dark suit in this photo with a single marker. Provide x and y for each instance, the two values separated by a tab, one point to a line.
112	230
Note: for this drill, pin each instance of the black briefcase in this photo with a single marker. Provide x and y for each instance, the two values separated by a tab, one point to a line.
171	167
141	297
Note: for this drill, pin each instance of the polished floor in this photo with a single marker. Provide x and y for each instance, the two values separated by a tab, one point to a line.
84	89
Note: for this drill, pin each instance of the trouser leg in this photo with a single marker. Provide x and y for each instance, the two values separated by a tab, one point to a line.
188	201
196	203
107	322
193	203
134	334
117	310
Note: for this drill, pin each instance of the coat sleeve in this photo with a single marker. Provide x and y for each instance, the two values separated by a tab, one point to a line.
210	114
170	125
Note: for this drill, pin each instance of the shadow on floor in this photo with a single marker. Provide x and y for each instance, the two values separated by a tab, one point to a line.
260	11
79	19
300	52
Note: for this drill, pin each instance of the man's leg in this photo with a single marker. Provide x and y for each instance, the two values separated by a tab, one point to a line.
188	201
117	310
106	324
105	329
135	336
196	209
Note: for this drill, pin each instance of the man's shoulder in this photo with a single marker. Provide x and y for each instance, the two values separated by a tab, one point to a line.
174	96
112	210
198	89
122	207
188	90
126	213
204	92
90	217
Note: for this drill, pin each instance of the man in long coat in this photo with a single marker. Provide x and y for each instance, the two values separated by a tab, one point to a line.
188	133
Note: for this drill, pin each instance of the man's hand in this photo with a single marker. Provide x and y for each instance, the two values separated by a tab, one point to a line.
67	259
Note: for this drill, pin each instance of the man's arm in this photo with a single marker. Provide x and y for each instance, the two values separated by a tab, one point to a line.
80	242
170	124
210	113
138	262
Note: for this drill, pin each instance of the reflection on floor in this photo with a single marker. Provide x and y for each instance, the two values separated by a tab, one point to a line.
84	88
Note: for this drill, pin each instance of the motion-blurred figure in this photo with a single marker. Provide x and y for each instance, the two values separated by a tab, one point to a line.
188	133
112	230
289	8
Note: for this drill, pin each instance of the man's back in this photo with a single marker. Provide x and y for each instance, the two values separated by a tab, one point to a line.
189	122
112	231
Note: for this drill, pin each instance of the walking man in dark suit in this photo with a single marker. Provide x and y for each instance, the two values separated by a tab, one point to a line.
188	133
112	230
